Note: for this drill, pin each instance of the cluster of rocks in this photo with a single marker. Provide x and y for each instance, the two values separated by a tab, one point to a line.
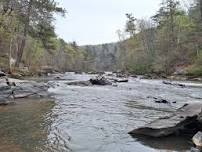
99	80
12	89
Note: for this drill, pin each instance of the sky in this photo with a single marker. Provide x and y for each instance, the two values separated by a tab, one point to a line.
96	21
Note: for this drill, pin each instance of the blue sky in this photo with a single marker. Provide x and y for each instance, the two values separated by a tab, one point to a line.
96	21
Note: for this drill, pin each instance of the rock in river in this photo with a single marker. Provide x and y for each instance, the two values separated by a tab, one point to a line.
2	74
184	121
100	81
21	89
162	101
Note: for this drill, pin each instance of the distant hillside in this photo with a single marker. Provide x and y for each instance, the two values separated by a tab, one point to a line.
105	55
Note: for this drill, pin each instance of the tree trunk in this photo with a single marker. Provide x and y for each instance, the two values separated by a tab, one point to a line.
20	52
26	30
10	55
201	9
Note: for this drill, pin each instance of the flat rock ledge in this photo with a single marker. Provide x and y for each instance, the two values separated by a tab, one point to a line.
12	89
186	120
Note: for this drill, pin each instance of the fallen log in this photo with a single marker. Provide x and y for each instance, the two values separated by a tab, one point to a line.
184	121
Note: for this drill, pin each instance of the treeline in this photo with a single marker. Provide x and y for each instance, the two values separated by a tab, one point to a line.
168	42
28	39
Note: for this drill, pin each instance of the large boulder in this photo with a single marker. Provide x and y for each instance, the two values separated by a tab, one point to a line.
101	81
184	121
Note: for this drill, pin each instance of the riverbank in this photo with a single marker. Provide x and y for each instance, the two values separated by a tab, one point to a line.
12	90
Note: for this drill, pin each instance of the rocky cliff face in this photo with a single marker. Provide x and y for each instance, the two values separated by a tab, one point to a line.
105	55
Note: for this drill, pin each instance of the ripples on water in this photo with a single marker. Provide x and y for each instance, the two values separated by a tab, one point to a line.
92	119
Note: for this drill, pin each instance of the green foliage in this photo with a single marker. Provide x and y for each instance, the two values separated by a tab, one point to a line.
130	25
174	40
171	38
195	71
196	68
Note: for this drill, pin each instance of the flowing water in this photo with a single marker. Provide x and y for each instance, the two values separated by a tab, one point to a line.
94	118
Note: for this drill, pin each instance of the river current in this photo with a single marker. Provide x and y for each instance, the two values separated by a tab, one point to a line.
94	118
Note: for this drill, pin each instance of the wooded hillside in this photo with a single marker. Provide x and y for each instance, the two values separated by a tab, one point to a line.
168	42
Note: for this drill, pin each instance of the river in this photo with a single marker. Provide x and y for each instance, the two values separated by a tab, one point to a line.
94	118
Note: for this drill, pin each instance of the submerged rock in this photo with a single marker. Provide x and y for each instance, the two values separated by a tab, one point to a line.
183	121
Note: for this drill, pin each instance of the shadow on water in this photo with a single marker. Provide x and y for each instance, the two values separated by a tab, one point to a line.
171	143
25	126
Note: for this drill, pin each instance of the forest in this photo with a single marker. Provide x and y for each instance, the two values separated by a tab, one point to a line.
166	43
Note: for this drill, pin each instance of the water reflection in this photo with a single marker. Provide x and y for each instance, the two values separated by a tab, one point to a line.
171	143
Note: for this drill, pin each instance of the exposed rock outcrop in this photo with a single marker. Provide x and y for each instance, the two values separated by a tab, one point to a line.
11	89
184	121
